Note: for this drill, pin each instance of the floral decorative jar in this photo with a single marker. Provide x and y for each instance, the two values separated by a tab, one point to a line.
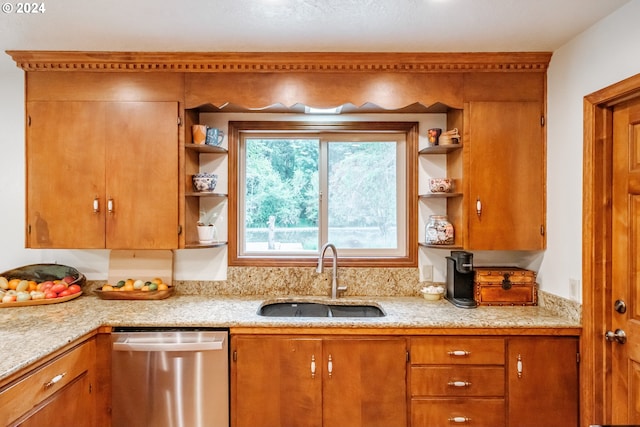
440	185
439	231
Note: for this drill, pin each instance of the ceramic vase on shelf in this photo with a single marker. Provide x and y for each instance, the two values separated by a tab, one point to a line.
439	231
206	233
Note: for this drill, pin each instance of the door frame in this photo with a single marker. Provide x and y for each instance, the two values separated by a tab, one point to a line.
595	380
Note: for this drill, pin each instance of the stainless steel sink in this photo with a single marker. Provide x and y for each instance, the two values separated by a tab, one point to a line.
317	309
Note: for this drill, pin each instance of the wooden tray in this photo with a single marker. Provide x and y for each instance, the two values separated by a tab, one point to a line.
39	301
134	295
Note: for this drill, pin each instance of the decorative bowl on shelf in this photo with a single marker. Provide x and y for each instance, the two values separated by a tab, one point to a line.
204	182
440	185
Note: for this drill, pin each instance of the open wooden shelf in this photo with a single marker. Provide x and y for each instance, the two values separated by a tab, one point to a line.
439	195
425	245
440	149
195	245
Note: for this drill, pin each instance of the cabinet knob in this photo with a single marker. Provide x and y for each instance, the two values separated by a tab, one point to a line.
478	206
110	205
330	366
96	205
313	366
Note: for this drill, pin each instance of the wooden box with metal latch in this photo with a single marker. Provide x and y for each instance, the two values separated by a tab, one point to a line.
505	286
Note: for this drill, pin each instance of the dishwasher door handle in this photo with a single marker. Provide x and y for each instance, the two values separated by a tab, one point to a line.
164	346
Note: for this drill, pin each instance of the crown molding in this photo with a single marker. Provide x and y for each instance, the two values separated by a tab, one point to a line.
270	62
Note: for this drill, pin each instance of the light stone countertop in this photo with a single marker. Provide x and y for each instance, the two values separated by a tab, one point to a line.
30	333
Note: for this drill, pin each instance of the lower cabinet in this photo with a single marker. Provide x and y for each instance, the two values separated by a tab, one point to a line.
494	381
61	392
302	381
543	382
457	381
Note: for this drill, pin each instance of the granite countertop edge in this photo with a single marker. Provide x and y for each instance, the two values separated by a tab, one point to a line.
36	331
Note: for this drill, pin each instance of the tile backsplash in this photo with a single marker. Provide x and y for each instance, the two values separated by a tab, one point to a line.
245	281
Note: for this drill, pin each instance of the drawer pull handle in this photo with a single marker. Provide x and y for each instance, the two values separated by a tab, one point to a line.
313	366
459	420
330	366
459	383
54	380
96	205
519	367
458	353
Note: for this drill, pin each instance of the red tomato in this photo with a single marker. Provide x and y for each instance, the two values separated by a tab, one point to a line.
64	293
49	294
74	289
45	285
59	287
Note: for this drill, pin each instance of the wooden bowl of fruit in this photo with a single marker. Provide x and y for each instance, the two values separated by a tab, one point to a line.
38	284
136	289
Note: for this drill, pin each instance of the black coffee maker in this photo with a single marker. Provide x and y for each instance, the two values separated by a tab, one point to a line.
460	278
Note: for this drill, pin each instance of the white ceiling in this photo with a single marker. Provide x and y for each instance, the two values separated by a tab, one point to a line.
300	25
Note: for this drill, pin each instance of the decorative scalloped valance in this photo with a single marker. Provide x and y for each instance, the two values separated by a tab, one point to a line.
269	62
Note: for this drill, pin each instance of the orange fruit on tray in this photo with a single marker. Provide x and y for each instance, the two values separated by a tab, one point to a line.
13	284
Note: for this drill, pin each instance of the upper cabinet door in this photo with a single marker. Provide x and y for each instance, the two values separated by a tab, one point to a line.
506	197
65	174
102	175
142	175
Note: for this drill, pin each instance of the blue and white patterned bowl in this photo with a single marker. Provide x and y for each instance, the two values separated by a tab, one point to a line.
204	182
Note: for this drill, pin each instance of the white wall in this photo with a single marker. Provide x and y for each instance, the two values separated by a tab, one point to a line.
604	54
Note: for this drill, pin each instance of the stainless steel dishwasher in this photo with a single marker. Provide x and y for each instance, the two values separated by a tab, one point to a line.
170	378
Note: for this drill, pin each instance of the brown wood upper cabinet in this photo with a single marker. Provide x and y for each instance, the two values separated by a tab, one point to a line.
102	174
314	381
506	175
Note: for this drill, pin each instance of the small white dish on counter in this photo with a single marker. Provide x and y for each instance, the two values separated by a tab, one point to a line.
432	293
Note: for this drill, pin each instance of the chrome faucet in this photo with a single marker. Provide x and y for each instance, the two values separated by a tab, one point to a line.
334	277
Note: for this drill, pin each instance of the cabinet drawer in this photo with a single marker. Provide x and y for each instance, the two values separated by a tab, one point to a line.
452	412
457	381
22	395
452	350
